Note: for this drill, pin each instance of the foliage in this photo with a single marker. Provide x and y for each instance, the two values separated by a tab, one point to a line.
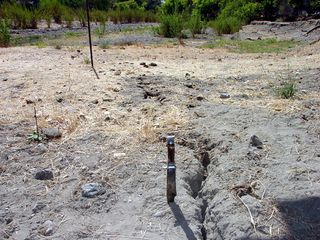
170	7
287	91
171	26
20	16
53	9
67	16
195	24
208	9
257	46
101	30
235	14
226	25
35	136
4	34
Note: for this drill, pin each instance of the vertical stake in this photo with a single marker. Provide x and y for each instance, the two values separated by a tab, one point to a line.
171	171
90	42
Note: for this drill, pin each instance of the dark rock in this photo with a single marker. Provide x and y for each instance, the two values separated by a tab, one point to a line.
43	174
189	85
95	101
48	228
256	142
224	95
5	79
200	98
143	64
151	93
117	73
29	101
59	99
51	133
153	64
90	190
38	207
107	99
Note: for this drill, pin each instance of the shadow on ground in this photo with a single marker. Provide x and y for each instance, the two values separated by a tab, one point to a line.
181	221
302	219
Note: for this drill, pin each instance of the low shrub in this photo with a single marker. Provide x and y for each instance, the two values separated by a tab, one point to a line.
171	26
287	91
53	9
226	25
4	34
195	24
68	17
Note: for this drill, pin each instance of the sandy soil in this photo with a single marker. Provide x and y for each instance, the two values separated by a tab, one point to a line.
111	134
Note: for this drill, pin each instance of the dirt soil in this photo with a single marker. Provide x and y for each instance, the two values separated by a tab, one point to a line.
113	130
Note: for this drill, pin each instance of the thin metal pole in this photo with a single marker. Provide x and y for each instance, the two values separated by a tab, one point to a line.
171	171
90	42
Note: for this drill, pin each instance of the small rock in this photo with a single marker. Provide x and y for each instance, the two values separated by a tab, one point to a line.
95	101
39	149
51	133
90	190
153	64
5	79
107	99
256	142
219	60
119	155
143	64
29	101
59	99
200	98
224	95
43	174
189	85
159	214
38	207
48	228
117	73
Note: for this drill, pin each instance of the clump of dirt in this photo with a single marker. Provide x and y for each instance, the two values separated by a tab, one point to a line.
112	130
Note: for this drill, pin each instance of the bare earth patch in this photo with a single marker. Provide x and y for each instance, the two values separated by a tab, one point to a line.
111	134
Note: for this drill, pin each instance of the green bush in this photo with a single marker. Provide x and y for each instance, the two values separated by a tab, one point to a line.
170	7
195	24
131	16
68	17
171	26
19	16
287	90
226	25
52	9
81	16
208	9
235	14
4	34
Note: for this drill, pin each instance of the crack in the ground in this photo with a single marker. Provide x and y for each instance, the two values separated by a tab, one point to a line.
201	148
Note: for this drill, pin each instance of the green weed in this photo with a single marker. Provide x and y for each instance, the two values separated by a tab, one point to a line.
5	36
256	46
171	26
287	91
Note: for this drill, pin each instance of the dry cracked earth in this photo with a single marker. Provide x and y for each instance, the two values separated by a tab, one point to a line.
229	185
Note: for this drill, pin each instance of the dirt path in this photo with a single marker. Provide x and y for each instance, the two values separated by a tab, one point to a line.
110	134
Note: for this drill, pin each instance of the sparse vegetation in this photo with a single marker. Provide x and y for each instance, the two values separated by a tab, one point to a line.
248	46
4	34
287	90
104	45
86	60
171	26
